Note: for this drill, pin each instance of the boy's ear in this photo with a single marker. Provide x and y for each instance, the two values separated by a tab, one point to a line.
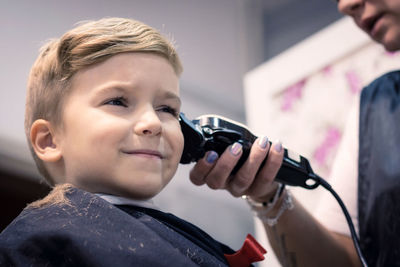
43	141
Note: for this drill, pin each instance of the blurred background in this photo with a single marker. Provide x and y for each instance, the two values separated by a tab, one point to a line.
219	41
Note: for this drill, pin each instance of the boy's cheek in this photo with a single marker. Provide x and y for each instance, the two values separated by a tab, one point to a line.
175	137
181	142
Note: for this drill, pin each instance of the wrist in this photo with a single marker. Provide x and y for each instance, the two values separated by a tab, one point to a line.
285	204
266	206
267	198
269	212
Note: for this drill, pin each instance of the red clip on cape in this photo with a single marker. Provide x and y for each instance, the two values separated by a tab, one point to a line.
250	252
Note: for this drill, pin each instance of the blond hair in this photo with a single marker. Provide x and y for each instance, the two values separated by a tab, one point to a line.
89	43
57	196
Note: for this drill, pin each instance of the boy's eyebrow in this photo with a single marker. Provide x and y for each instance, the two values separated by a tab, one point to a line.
171	95
111	87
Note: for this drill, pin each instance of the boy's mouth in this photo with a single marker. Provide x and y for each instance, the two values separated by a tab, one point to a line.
145	153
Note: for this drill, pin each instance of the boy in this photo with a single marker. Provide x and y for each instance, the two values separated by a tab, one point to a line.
102	124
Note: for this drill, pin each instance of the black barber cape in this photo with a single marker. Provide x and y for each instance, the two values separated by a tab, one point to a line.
92	232
379	171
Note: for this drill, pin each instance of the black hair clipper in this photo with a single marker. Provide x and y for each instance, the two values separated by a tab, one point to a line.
211	132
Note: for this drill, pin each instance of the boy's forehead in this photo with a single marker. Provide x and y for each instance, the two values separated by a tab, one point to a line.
126	71
127	62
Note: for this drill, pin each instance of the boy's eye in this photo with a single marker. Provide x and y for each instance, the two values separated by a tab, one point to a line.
118	101
170	110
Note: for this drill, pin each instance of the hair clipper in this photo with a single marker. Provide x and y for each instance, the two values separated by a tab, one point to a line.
212	132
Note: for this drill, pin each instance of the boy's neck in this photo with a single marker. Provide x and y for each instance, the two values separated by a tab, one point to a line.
118	200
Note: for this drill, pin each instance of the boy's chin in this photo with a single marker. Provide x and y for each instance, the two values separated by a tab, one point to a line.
140	196
144	193
137	194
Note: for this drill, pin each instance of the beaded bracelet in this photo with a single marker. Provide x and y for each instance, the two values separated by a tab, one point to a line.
286	205
265	207
261	210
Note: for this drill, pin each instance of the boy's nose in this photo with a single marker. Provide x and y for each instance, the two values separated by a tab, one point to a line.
148	123
350	7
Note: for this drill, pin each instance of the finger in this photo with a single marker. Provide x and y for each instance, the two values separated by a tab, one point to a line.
218	176
203	167
263	185
243	179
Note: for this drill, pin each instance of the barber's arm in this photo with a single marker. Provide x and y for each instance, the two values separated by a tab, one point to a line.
297	238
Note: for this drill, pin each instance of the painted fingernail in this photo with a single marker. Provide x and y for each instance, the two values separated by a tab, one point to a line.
236	148
211	156
263	142
278	146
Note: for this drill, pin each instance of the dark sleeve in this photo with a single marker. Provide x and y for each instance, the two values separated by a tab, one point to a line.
40	248
98	237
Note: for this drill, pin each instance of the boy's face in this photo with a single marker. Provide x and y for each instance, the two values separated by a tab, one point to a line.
120	133
380	19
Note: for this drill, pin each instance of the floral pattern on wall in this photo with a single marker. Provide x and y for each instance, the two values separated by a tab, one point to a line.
309	115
